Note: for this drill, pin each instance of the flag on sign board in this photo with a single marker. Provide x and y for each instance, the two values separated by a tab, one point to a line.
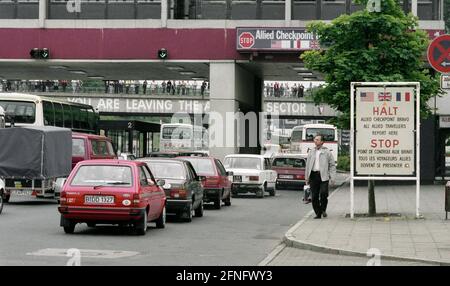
407	96
384	96
367	96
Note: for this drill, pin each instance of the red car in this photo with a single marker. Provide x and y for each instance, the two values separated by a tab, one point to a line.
290	170
216	185
112	192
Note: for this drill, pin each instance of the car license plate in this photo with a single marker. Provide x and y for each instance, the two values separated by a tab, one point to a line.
22	193
286	177
237	178
17	184
99	199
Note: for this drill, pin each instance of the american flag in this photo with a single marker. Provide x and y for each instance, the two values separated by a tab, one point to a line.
367	96
384	96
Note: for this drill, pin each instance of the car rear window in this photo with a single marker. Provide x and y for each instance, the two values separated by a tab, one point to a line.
289	162
95	175
243	163
167	170
78	147
203	167
102	148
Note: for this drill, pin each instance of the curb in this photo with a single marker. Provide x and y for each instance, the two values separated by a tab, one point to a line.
290	241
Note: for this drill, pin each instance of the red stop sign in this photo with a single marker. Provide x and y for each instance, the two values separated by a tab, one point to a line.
246	40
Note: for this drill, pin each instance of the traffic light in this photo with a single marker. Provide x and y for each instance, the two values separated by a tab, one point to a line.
40	53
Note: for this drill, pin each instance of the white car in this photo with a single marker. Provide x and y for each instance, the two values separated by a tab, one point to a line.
251	173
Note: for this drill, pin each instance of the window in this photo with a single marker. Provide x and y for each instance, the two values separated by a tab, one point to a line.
148	174
296	136
203	167
59	116
289	162
22	111
67	116
328	134
78	147
243	163
49	113
266	164
222	171
167	170
142	177
98	175
100	148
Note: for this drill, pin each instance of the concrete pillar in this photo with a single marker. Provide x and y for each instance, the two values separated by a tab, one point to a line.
288	10
43	8
414	7
233	89
164	13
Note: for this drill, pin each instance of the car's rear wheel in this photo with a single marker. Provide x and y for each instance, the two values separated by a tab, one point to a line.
6	198
68	225
141	226
260	192
272	192
218	202
188	214
227	201
161	221
199	210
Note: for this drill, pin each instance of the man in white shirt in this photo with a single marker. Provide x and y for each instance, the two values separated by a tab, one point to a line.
320	170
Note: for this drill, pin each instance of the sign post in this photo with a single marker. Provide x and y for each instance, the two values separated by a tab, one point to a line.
385	133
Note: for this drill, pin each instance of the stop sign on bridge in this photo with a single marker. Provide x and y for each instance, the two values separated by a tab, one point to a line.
246	40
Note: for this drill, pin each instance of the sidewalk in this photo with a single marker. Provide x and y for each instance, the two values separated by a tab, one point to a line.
402	238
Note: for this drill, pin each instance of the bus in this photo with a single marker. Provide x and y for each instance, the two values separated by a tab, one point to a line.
183	137
302	138
31	110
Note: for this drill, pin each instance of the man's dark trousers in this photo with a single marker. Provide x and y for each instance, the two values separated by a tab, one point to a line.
319	193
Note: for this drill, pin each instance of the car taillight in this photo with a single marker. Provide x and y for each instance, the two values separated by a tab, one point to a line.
300	177
178	194
136	199
63	198
253	178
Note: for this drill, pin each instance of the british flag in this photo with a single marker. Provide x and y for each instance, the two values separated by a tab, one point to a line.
384	96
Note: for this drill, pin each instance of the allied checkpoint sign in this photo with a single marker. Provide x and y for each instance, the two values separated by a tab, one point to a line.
385	133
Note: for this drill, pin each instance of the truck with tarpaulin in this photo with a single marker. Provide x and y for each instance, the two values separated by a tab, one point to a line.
32	158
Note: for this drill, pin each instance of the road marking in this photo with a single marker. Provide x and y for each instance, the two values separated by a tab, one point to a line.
85	253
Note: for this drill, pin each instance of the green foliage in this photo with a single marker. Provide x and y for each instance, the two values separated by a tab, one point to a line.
343	163
364	46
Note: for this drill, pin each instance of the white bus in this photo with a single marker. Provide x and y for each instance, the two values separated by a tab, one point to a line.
32	110
183	137
302	138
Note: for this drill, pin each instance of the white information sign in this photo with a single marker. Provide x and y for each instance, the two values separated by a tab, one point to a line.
445	81
385	131
384	134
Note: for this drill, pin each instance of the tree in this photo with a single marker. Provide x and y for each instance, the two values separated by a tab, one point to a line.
370	46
